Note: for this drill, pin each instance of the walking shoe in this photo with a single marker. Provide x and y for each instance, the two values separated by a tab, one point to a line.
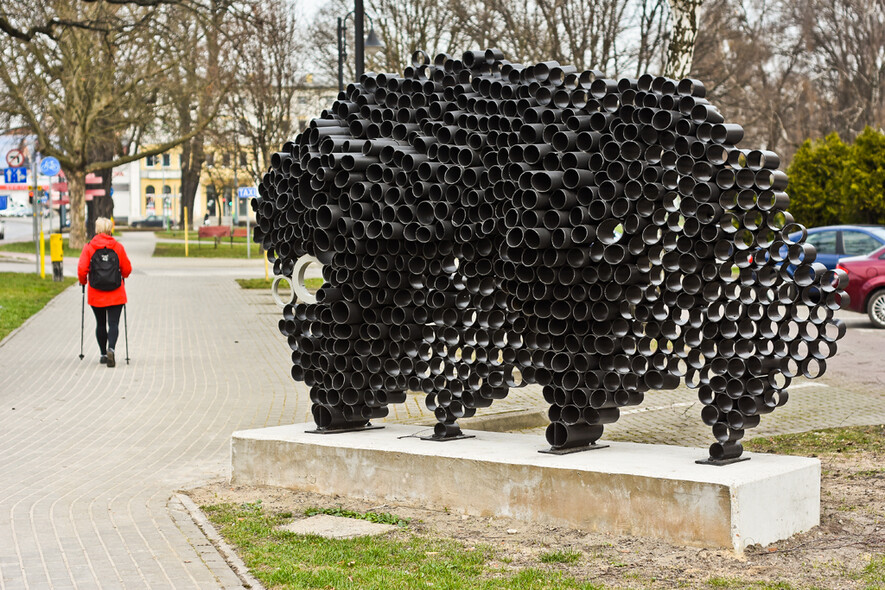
111	361
103	360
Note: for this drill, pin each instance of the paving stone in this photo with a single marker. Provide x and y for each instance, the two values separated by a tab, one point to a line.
337	527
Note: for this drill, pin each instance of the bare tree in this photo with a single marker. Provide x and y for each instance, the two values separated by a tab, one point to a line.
201	65
755	77
846	39
652	19
684	20
269	60
85	89
611	35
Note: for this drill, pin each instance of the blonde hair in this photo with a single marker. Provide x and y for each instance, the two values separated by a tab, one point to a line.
103	225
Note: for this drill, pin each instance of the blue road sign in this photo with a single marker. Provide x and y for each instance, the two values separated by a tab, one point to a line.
15	175
4	201
49	166
247	192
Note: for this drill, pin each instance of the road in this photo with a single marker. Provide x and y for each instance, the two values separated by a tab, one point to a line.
21	229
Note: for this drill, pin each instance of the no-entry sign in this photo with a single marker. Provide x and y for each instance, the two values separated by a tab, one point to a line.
15	158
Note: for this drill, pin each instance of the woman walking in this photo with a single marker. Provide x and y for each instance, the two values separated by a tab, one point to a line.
104	264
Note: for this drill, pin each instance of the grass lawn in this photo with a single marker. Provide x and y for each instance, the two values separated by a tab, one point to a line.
852	439
311	284
28	248
207	250
281	559
176	234
22	295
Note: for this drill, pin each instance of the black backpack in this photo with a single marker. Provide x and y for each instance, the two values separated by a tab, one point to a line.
104	270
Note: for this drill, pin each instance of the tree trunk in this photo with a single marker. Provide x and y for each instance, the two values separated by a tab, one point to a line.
684	18
77	195
104	206
191	169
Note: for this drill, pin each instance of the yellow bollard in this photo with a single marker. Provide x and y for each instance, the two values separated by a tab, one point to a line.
186	228
42	256
265	269
56	248
57	256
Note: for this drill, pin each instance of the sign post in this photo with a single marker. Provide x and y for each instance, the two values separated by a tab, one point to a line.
247	192
50	167
38	238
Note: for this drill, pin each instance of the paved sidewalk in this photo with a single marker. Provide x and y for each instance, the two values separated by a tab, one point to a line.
92	456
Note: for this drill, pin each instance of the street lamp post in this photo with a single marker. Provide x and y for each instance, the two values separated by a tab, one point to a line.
361	43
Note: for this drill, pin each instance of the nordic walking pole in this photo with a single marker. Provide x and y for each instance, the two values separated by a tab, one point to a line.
126	332
82	313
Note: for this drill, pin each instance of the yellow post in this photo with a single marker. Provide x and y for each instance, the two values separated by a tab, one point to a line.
265	269
186	228
42	256
57	255
56	251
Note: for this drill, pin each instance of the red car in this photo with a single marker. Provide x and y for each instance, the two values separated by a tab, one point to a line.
866	284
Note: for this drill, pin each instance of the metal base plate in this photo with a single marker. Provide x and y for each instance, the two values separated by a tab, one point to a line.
337	430
721	462
593	447
445	438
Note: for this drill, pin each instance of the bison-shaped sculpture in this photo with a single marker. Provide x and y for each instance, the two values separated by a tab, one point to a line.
485	225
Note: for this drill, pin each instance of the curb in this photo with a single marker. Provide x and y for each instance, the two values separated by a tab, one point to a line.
52	301
227	552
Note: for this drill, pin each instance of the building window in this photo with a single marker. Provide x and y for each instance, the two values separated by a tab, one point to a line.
243	160
151	161
149	203
210	159
225	160
167	160
167	190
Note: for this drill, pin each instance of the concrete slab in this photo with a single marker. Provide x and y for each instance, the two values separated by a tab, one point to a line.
337	527
645	490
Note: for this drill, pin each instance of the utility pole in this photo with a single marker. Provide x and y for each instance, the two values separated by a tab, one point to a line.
359	41
234	199
34	204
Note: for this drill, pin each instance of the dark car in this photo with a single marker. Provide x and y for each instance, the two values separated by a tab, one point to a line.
835	242
149	221
866	285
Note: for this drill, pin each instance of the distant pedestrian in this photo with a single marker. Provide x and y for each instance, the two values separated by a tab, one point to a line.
104	264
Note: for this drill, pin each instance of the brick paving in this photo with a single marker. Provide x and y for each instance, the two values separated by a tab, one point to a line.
92	456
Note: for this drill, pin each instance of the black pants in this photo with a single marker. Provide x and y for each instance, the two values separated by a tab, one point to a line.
107	326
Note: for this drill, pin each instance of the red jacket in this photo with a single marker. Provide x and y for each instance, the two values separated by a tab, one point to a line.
95	297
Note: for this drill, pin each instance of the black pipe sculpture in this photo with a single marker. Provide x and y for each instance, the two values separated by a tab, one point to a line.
484	225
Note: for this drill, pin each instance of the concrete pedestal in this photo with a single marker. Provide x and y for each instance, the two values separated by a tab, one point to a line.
644	490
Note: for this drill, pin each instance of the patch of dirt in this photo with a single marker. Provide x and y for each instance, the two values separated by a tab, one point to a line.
832	555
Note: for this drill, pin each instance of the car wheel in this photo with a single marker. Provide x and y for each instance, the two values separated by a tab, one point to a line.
876	308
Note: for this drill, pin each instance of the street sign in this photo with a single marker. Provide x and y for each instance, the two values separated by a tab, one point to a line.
50	166
247	192
4	201
15	158
15	175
